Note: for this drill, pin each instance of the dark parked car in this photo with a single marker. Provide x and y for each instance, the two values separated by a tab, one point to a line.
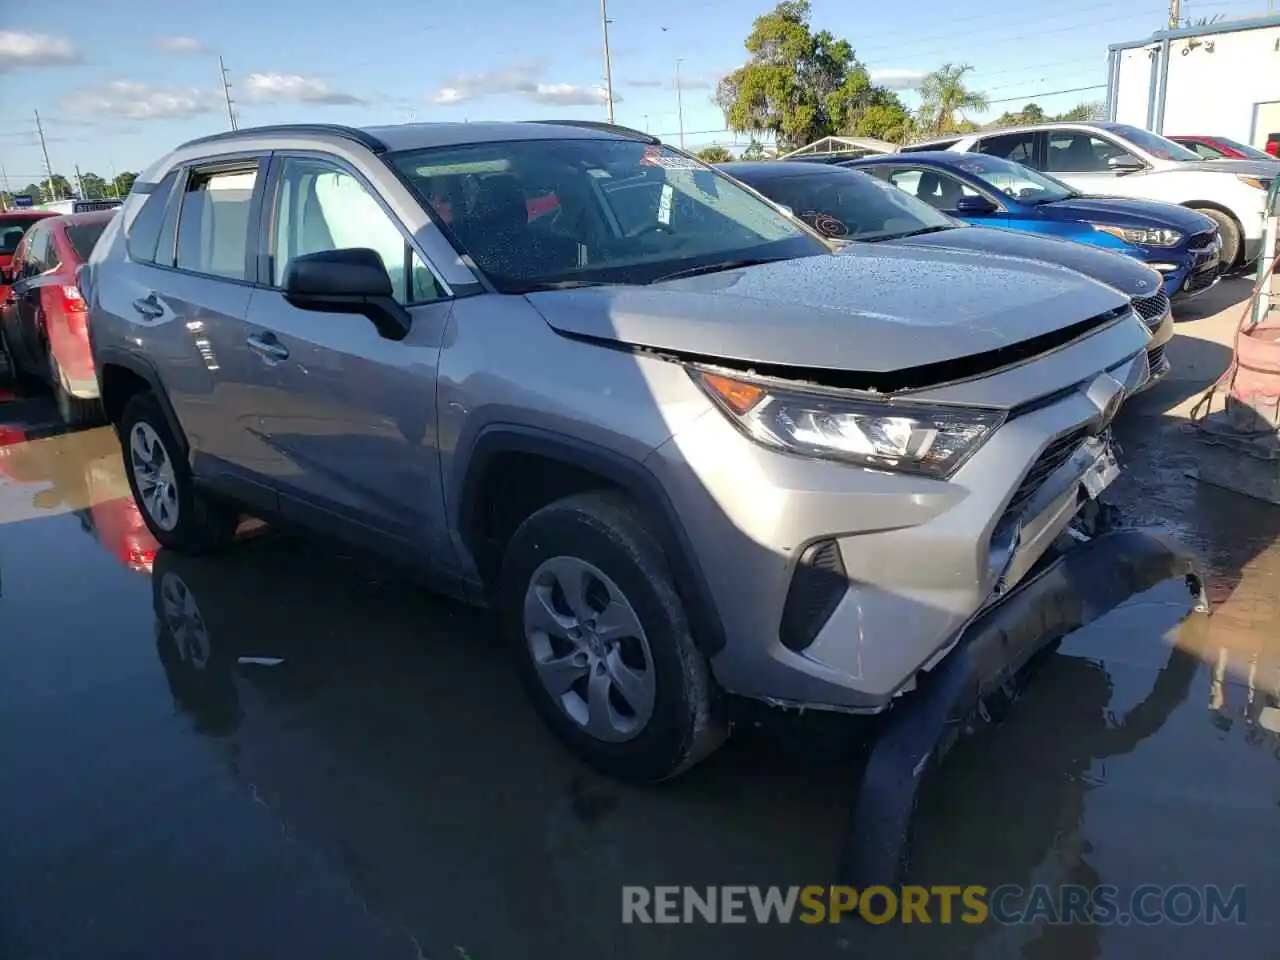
845	204
1183	245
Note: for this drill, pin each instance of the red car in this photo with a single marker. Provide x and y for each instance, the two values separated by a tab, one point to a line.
1222	148
13	225
43	319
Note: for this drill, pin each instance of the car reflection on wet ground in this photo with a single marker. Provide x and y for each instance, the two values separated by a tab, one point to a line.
287	750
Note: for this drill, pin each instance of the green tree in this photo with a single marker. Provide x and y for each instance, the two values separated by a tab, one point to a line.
1083	111
944	95
95	188
124	183
798	85
1031	113
754	151
714	154
56	187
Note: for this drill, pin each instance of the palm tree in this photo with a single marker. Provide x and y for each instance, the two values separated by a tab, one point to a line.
944	95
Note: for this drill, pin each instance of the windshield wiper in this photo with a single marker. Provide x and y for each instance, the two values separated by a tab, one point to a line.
918	233
716	267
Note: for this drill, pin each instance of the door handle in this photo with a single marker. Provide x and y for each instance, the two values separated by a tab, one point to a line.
268	347
149	307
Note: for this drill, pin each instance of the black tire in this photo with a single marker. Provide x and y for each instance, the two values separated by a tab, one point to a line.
609	533
202	524
1229	230
74	411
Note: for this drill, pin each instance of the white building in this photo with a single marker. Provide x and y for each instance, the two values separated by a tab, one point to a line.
1222	79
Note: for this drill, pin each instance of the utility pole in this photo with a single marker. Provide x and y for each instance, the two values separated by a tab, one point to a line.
680	101
80	183
115	182
4	179
608	65
1175	14
226	92
48	167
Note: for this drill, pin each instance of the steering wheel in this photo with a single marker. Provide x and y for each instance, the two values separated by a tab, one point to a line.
656	227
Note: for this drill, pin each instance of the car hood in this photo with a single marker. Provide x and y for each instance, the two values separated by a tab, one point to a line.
1245	168
878	308
1128	213
1126	274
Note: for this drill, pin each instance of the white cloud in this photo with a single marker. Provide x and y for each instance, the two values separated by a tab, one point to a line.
278	87
184	45
137	101
898	79
34	50
521	79
688	81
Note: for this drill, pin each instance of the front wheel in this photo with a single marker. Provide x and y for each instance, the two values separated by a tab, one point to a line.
1229	231
603	642
178	515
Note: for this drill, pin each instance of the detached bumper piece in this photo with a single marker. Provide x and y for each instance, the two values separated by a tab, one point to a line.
1069	591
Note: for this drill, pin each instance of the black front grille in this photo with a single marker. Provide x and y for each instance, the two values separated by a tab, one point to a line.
1155	356
1057	453
1152	308
1199	240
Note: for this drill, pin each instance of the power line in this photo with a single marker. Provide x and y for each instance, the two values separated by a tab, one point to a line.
1049	93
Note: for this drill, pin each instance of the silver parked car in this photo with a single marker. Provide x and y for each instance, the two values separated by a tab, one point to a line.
685	446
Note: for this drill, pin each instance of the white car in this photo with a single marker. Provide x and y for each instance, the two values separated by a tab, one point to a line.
1119	160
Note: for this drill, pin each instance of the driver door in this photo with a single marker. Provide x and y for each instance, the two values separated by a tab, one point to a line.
1082	160
352	416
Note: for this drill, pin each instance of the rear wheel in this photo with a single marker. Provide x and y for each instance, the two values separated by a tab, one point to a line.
178	515
1229	231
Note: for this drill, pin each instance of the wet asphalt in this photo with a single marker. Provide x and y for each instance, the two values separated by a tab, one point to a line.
325	761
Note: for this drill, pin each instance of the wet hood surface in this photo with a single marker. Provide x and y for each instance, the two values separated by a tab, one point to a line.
1114	269
879	308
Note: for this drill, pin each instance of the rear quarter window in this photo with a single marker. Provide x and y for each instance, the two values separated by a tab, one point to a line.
144	232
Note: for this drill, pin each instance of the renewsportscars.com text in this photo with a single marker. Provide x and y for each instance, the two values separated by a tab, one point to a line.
1009	904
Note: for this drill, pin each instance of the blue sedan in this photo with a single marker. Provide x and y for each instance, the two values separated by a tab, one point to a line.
1180	243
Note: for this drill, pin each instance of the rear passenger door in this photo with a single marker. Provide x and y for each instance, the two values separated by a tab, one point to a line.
352	416
189	296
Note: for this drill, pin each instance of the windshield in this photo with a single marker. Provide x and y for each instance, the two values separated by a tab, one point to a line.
534	213
1153	143
848	205
1014	180
83	236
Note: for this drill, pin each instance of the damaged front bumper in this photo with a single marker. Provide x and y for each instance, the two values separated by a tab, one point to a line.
1065	591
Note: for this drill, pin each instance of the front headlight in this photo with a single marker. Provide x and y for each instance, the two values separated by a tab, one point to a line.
932	440
1262	183
1142	236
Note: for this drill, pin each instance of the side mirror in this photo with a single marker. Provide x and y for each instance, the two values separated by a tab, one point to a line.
1125	164
352	280
975	206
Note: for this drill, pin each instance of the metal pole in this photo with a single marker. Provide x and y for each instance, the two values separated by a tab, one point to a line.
4	178
226	92
608	66
680	101
80	183
115	182
1175	14
48	167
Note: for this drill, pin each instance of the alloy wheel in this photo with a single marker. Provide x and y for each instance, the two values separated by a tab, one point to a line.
154	476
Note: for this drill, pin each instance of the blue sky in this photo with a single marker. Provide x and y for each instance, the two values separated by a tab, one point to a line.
118	88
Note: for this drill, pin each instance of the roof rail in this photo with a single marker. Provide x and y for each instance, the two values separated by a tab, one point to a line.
628	132
297	129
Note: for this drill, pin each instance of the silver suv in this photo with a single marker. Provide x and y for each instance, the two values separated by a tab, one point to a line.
685	447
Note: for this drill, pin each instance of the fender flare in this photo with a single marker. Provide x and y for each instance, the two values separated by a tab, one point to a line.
146	370
624	472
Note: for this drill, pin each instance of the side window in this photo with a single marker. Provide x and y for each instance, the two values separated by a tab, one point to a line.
11	236
34	261
1018	147
213	226
1206	152
1078	152
322	207
939	190
145	229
